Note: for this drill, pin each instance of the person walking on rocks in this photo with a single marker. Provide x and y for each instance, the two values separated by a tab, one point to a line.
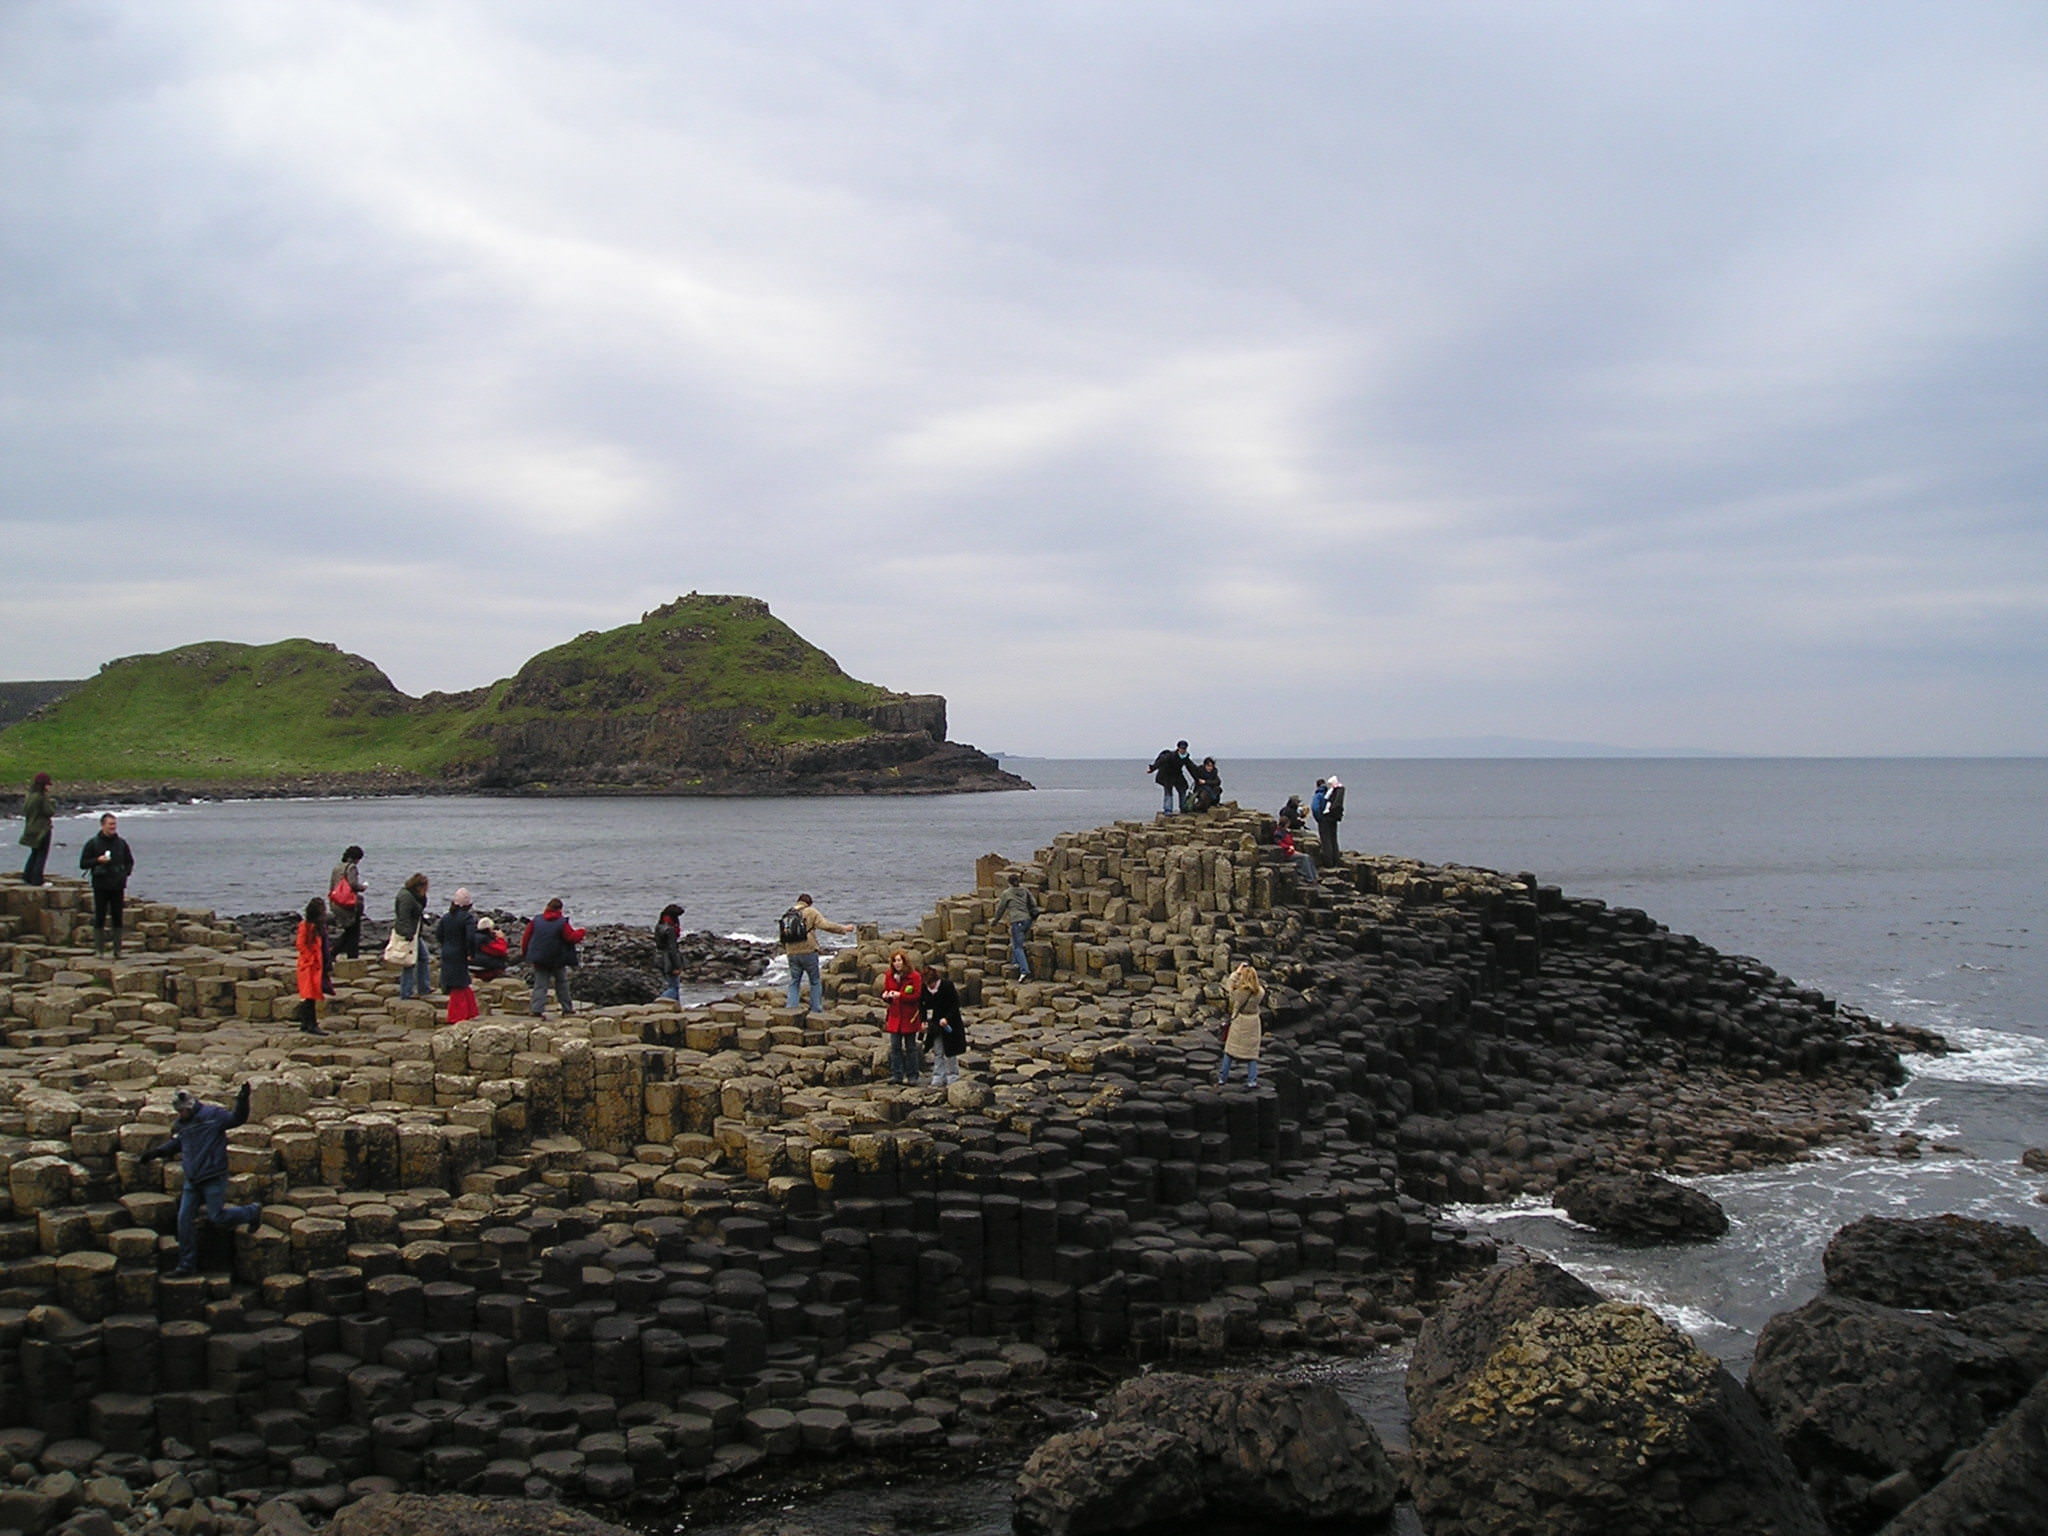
345	895
456	935
1169	771
200	1140
797	929
902	990
311	942
945	1030
38	819
549	946
108	859
1243	1035
1327	817
1019	908
668	943
409	922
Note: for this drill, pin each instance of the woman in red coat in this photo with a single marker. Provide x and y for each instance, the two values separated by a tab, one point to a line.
902	988
312	973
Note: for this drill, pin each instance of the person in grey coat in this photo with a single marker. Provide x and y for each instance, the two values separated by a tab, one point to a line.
1019	908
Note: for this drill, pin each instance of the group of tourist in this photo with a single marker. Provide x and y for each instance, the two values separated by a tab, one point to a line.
1184	784
922	1004
1326	809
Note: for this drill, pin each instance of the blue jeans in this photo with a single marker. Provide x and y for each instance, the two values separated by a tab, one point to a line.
1168	794
1251	1071
416	980
904	1060
1019	931
801	966
945	1068
672	989
210	1193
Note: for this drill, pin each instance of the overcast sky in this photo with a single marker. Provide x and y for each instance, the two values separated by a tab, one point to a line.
1290	377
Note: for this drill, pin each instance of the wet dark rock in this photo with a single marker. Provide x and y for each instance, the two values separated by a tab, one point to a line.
1856	1392
1945	1263
1462	1333
2035	1158
1175	1445
451	1514
1592	1420
1643	1206
1999	1489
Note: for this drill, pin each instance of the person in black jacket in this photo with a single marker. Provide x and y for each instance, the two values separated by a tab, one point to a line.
1327	816
945	1030
200	1138
668	940
108	859
1169	771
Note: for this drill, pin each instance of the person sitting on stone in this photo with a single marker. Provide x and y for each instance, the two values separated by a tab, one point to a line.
1283	839
493	954
1208	786
200	1140
1291	815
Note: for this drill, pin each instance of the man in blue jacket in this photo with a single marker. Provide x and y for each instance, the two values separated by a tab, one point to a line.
200	1138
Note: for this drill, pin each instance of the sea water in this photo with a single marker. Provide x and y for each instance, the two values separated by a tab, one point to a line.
1914	889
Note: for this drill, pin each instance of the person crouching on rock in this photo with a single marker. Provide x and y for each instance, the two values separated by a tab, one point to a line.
549	946
311	942
493	955
902	990
945	1030
456	934
200	1140
668	941
1242	1037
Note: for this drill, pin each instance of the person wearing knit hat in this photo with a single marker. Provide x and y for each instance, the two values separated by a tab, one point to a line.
456	933
37	821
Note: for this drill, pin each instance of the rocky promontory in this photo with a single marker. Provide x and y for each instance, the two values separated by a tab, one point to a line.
707	695
623	1256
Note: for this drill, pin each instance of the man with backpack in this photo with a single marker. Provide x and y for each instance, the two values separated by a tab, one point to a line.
1019	908
1329	811
797	930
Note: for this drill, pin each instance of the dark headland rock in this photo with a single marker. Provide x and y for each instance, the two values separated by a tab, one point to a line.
1175	1445
1910	1368
1642	1206
1941	1262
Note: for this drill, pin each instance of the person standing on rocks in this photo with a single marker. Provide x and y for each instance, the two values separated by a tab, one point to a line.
1019	908
945	1030
409	922
797	929
311	943
200	1140
108	859
1169	771
456	935
345	895
668	943
1329	809
1244	1035
549	946
38	820
903	990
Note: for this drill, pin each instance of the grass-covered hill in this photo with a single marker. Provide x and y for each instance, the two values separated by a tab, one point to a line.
706	694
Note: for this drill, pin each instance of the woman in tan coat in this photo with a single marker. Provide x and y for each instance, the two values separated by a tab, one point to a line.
1244	992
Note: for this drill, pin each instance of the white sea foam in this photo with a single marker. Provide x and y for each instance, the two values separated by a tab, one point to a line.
1986	1056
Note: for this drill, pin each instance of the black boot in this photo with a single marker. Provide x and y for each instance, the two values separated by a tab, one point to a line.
308	1019
117	941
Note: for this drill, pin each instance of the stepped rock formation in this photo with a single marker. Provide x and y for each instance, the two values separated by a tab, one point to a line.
704	695
614	1256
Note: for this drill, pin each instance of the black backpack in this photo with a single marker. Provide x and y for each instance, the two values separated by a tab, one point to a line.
791	928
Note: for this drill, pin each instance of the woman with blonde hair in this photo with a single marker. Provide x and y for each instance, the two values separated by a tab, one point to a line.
903	991
1244	993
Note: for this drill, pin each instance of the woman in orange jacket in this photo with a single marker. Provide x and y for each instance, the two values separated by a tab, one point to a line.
902	990
312	947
